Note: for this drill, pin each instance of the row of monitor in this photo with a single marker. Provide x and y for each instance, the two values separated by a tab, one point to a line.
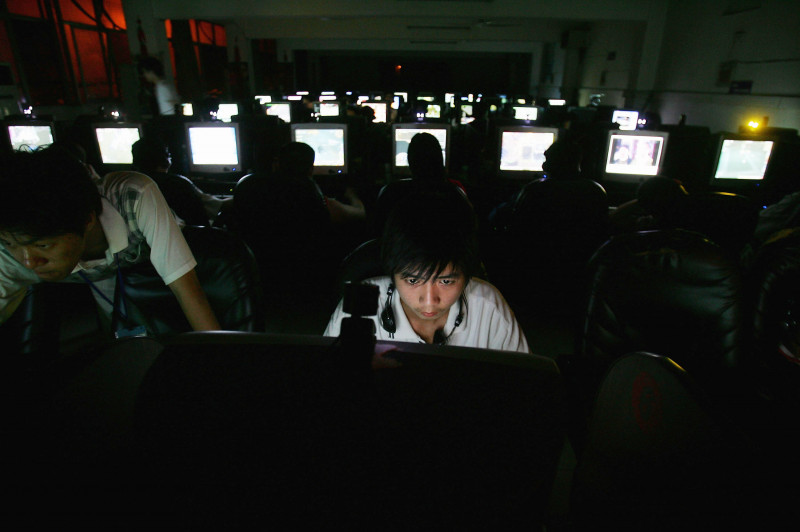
215	147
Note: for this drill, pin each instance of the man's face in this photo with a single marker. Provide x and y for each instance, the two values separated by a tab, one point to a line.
429	300
51	258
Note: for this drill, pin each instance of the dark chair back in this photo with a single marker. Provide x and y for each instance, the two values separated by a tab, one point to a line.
555	227
669	292
724	218
227	272
658	455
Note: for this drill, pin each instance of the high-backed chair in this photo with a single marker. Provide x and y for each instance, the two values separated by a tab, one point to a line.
773	283
669	292
555	227
726	219
227	272
362	263
659	455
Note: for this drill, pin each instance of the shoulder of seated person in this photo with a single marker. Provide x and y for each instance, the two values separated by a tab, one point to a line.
126	177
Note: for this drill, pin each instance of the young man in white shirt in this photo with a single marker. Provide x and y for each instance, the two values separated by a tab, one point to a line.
60	225
430	295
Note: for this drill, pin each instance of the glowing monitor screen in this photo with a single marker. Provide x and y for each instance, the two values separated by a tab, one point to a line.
115	143
627	120
263	99
187	109
402	138
433	110
226	111
281	110
379	108
523	151
30	137
525	112
213	146
328	144
743	159
329	109
634	154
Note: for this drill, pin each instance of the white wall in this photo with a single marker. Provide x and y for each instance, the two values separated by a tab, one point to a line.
764	43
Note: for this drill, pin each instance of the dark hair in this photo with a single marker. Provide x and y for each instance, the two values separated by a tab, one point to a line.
149	154
295	160
152	64
425	158
49	193
429	230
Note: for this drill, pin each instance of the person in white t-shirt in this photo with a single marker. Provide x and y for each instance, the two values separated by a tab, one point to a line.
58	224
430	295
167	97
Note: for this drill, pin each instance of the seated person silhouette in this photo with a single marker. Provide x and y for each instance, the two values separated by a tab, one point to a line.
294	230
152	158
656	204
426	162
64	226
429	294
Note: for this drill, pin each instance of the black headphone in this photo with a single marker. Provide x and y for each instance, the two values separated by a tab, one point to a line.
390	326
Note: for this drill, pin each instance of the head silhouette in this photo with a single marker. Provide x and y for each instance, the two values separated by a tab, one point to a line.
425	158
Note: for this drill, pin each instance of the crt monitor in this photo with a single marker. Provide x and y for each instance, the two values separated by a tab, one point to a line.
525	112
379	108
329	108
114	141
214	147
227	110
29	135
627	120
329	142
402	135
742	159
282	110
433	110
522	149
635	153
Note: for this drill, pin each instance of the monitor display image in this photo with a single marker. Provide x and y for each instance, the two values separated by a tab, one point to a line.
30	137
329	142
263	99
522	148
635	152
379	108
743	159
525	112
282	110
226	111
627	120
329	109
433	110
115	143
402	135
187	109
213	148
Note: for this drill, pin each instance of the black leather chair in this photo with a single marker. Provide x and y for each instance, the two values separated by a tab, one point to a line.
773	283
669	292
659	456
362	263
539	261
227	272
726	219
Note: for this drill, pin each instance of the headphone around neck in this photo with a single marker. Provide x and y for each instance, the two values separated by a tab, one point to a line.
390	325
